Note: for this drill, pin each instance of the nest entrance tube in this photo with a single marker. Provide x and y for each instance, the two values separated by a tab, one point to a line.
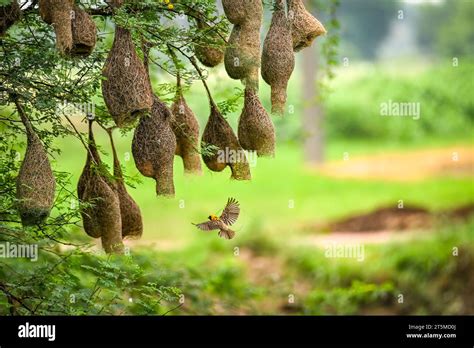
35	184
278	59
84	33
126	88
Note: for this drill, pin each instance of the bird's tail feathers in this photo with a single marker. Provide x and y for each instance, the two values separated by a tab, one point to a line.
227	234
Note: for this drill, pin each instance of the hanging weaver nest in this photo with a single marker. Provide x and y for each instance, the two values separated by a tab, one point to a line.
256	131
278	59
132	224
208	55
226	150
35	184
126	88
304	26
84	33
242	55
59	14
101	215
186	129
154	146
240	11
9	14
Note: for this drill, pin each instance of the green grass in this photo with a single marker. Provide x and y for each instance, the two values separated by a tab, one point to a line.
277	185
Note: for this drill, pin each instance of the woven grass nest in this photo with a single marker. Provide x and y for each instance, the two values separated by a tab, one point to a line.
256	131
132	224
84	33
226	147
186	129
58	14
240	11
242	55
278	59
304	26
9	14
126	88
208	55
154	146
101	214
35	184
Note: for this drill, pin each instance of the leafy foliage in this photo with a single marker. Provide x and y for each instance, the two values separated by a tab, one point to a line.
68	277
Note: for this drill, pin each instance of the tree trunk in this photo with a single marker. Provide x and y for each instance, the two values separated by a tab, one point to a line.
313	112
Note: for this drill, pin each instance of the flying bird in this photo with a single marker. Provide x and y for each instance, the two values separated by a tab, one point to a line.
228	217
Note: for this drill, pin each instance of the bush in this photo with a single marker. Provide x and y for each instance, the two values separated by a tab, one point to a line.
444	94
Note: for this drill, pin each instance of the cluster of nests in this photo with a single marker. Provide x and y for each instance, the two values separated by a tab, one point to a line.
108	211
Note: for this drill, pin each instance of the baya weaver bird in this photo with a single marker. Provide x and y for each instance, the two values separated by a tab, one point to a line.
228	217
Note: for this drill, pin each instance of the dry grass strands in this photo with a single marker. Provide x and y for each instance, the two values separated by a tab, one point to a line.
278	59
209	56
242	55
226	148
59	14
240	11
93	162
235	10
9	14
132	224
186	129
92	159
256	131
304	26
101	216
35	184
126	88
154	146
84	33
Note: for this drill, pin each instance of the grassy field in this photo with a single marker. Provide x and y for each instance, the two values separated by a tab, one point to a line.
270	267
281	196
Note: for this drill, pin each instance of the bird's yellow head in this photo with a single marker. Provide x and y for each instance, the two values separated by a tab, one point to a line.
213	217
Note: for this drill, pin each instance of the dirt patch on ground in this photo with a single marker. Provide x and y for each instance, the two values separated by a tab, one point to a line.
394	219
381	226
414	165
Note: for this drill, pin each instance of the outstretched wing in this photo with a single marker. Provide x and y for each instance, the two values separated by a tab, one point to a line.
208	225
231	212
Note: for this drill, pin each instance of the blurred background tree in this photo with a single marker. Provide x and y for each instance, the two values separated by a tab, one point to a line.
445	28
